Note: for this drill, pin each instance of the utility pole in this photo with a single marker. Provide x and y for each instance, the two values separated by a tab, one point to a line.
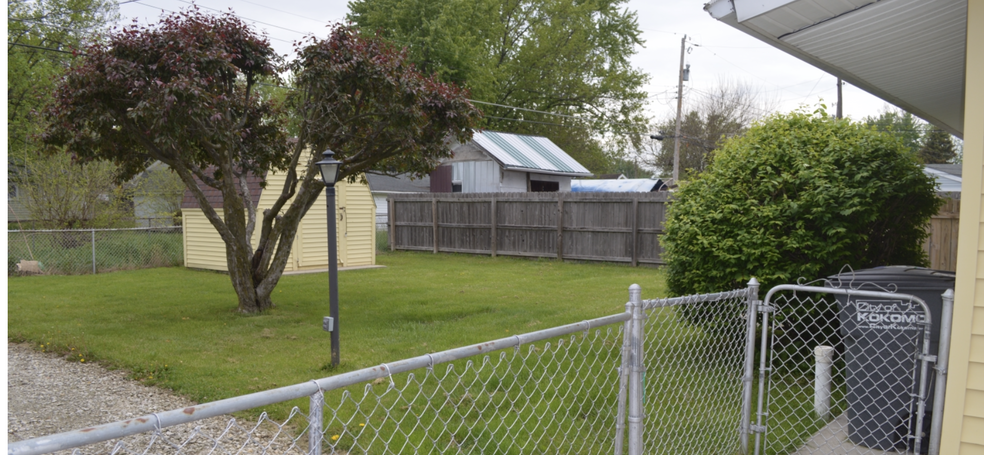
676	137
840	100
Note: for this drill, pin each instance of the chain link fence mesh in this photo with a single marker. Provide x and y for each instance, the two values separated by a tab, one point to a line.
71	252
695	350
842	377
556	396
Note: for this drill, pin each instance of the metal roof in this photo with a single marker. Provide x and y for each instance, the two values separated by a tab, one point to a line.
616	186
515	151
907	52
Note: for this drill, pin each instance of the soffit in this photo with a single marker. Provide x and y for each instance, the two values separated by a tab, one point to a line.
907	52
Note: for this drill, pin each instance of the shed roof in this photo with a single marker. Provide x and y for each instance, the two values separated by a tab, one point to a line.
616	186
517	151
214	196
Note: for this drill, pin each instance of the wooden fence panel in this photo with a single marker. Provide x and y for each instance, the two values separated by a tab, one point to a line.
941	245
615	227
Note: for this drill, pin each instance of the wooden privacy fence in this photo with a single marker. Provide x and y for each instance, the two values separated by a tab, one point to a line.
941	245
614	227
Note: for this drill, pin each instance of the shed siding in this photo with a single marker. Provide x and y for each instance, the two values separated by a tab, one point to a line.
355	214
513	182
477	176
204	249
963	426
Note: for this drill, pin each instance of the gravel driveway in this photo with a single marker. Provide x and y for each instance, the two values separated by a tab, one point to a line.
47	394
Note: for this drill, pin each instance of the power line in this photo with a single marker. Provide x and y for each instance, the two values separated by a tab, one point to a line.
50	49
245	18
140	2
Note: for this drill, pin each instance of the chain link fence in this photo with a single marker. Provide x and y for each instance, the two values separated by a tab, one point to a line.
553	391
668	376
695	350
846	371
85	251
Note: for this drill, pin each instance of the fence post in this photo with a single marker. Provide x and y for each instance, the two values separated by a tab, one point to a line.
560	227
93	231
747	378
942	363
635	376
391	214
494	222
436	231
315	418
635	230
623	381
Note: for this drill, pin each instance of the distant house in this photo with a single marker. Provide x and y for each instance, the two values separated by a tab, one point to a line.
494	162
947	175
382	186
617	186
354	207
155	204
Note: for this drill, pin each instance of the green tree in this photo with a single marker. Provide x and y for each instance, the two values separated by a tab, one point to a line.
41	38
61	193
726	111
562	56
182	92
901	124
798	195
157	194
937	148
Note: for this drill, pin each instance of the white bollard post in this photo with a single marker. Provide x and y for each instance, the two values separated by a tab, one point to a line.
822	383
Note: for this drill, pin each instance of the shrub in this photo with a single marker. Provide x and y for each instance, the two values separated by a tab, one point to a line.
799	195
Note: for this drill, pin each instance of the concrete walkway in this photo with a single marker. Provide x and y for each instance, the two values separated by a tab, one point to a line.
832	439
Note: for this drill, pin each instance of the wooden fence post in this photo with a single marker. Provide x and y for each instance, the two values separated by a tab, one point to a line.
392	222
560	227
635	230
494	223
436	235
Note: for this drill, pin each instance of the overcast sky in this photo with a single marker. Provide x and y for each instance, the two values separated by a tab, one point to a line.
718	52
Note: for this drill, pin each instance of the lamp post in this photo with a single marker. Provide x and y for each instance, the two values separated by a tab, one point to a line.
329	173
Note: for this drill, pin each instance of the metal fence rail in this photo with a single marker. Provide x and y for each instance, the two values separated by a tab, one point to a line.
85	251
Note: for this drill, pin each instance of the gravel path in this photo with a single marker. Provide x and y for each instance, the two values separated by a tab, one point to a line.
47	394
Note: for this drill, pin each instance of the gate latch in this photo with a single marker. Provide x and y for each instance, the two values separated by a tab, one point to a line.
766	308
757	428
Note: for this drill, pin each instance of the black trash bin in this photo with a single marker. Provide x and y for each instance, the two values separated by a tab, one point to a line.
882	367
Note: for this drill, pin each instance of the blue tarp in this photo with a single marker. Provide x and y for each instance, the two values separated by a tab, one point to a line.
616	186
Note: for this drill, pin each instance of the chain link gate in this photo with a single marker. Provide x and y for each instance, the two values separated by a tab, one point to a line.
841	371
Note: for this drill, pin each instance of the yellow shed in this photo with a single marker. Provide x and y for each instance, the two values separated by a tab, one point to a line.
355	213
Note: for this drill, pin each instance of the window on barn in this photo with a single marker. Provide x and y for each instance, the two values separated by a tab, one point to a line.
540	186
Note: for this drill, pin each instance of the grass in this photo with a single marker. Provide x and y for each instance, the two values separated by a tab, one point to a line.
177	328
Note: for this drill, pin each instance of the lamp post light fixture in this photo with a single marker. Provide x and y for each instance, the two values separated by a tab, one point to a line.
329	174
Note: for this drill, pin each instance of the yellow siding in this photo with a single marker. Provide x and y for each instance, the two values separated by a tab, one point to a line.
356	226
204	249
973	431
963	420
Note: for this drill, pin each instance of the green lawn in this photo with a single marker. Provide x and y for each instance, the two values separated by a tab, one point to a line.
177	328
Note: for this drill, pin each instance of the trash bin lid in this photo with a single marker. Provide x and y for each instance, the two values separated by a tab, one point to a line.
906	277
